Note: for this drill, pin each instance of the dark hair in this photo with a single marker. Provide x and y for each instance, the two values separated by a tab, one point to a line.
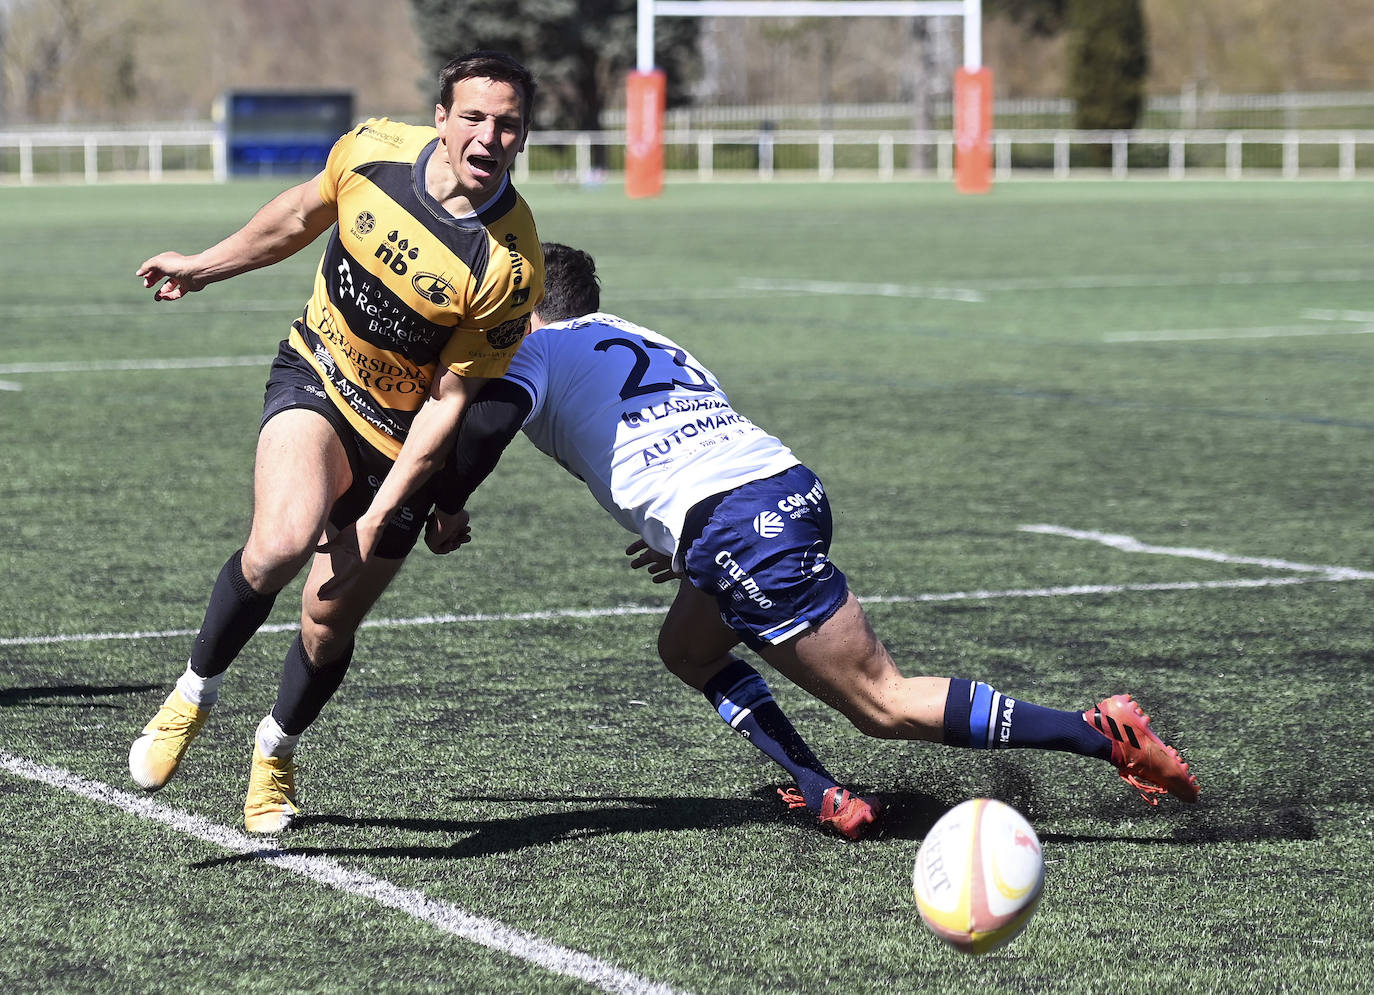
571	286
488	64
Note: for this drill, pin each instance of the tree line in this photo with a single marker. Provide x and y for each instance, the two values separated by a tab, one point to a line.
111	61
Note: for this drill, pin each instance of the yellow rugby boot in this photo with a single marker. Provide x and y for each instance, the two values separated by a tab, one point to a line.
271	804
157	753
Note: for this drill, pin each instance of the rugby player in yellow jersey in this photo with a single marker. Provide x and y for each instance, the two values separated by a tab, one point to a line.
424	291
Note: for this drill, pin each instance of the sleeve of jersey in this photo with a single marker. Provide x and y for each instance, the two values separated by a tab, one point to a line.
485	344
334	167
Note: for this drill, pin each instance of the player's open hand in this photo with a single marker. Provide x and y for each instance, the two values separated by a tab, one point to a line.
349	553
174	272
660	566
444	532
344	560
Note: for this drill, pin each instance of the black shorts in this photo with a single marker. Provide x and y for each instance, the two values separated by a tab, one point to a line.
293	383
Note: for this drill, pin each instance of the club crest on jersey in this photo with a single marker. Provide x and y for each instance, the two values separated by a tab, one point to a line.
506	334
768	524
363	224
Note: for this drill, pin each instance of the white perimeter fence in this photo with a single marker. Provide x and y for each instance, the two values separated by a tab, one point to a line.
28	157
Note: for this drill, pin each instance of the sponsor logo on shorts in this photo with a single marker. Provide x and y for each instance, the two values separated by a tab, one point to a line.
747	587
800	505
769	524
816	563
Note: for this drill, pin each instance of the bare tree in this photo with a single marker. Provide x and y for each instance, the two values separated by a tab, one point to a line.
930	71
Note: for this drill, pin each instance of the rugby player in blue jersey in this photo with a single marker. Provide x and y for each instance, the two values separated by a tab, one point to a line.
727	511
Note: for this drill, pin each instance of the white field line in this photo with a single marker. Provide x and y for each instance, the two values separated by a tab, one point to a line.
1080	590
1120	281
977	291
322	870
1314	575
1326	314
1129	544
10	385
120	308
836	288
1206	334
372	623
110	365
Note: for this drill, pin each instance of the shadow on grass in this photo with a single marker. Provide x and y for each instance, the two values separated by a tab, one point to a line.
40	696
907	814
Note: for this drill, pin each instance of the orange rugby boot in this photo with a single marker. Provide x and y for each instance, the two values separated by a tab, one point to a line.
1141	758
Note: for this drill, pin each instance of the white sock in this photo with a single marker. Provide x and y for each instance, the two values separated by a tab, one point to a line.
272	741
201	691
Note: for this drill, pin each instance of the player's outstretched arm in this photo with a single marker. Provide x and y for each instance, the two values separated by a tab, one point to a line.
281	227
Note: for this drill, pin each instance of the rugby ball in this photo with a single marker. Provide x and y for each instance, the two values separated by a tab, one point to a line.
978	875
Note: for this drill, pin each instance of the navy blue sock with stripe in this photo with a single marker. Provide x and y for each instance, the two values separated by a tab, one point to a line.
982	718
742	699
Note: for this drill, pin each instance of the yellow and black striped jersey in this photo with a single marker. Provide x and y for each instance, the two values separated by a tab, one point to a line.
405	288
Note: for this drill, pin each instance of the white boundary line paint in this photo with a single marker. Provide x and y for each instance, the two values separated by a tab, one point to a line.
830	287
1079	590
372	623
150	309
977	291
1316	574
1326	314
10	385
107	366
1116	281
322	870
1208	334
1129	544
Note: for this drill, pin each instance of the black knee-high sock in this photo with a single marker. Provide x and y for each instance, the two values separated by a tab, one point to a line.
741	697
235	612
305	688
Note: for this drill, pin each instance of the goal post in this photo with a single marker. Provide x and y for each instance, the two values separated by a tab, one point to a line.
646	88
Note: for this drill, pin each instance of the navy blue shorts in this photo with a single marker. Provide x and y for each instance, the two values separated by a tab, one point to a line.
763	552
293	383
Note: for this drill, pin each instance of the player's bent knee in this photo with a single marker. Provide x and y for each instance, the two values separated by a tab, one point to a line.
270	563
325	644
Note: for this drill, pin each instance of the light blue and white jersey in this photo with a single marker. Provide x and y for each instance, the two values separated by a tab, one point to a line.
638	420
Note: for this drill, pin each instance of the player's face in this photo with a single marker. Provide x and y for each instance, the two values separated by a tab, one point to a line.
482	133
